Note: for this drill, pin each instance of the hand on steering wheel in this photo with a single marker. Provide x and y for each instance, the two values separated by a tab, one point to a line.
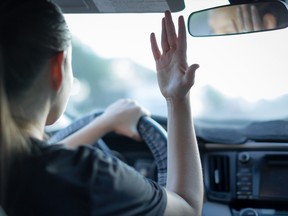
153	134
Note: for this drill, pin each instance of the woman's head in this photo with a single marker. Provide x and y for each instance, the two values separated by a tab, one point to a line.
32	33
35	70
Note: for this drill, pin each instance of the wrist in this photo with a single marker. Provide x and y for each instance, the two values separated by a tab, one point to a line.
176	101
102	123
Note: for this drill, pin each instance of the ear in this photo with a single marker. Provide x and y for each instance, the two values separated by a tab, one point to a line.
269	21
56	70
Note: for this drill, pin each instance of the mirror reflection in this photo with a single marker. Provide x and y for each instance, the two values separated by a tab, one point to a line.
238	19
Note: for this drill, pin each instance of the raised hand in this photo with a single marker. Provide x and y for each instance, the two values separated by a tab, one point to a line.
175	78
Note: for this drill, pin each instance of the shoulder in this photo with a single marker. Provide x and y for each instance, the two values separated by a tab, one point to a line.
56	161
89	177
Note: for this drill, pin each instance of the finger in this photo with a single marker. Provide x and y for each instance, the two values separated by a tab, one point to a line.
136	136
154	47
240	20
164	41
170	30
131	101
255	18
145	112
247	19
234	26
182	35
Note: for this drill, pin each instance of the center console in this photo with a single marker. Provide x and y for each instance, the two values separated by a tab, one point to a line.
250	182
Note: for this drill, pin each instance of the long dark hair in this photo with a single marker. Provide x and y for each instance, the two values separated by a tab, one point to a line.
31	32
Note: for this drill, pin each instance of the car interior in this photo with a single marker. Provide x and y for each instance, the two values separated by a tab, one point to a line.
240	100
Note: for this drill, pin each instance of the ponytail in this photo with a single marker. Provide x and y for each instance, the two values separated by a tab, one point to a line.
12	141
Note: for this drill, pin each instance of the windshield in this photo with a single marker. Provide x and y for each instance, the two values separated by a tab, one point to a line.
240	77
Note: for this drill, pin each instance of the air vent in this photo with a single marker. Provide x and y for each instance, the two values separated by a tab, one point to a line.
219	174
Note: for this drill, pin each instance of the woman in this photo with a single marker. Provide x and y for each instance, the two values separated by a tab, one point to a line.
35	80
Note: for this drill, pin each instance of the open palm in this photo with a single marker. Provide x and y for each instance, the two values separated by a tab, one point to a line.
175	78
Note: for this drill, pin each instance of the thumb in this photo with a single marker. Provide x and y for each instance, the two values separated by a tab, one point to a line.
190	74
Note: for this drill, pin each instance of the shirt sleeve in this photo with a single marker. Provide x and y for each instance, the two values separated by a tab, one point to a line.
128	192
91	182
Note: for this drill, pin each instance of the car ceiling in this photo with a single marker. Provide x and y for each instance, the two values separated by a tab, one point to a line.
120	6
128	6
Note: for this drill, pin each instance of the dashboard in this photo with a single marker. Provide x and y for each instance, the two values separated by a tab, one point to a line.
245	179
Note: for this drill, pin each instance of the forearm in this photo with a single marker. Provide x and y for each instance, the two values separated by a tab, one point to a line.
88	134
184	166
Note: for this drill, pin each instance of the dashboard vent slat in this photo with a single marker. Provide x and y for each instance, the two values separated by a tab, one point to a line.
219	173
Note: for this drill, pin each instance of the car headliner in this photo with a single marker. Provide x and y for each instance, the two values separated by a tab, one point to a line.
123	6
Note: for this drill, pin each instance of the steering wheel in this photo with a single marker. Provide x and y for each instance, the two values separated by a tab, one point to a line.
153	134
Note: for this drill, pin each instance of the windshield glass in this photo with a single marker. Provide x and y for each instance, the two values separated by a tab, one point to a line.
240	77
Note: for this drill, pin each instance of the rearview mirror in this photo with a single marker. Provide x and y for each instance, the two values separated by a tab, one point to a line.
238	19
